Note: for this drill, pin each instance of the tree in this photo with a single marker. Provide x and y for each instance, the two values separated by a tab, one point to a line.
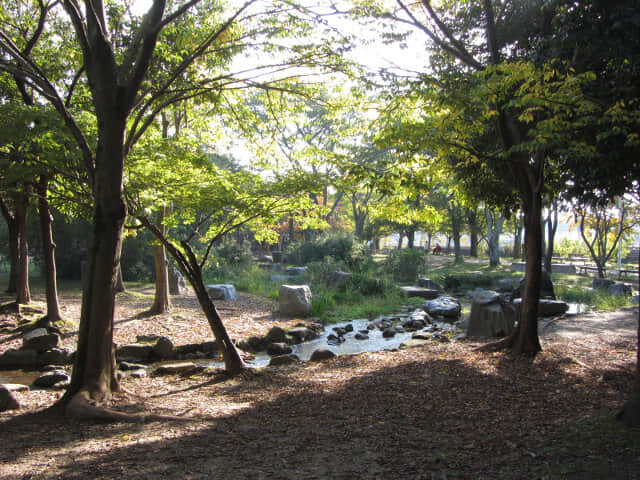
125	103
210	203
602	229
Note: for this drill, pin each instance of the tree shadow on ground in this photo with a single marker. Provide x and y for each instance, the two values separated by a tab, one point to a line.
418	417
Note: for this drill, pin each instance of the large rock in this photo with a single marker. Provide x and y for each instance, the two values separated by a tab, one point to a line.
222	292
276	335
177	283
181	368
546	307
602	283
443	306
338	279
277	349
163	348
7	400
40	340
295	300
620	289
135	352
55	356
321	354
546	287
302	334
490	316
504	285
49	379
26	359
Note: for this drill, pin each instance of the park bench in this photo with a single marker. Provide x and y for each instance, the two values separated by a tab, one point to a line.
584	269
624	272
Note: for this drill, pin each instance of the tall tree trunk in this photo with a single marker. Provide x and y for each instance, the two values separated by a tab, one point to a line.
161	301
551	229
517	238
526	339
23	295
120	281
456	232
472	218
411	238
94	368
13	246
48	248
494	229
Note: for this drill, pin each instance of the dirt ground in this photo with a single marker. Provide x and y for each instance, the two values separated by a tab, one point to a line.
443	411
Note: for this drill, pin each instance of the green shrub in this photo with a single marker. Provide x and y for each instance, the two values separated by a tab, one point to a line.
341	247
596	299
405	265
232	254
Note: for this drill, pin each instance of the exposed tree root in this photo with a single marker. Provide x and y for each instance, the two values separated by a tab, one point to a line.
82	408
505	343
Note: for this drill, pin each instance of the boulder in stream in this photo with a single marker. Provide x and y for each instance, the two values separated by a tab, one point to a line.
443	306
295	300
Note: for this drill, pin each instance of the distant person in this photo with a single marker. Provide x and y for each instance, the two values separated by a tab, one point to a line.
437	250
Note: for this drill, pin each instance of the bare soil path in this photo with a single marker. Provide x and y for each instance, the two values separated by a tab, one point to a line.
434	412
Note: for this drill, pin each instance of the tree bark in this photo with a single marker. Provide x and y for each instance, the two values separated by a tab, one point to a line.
95	367
13	246
526	341
472	218
161	301
23	295
48	247
517	238
551	229
494	229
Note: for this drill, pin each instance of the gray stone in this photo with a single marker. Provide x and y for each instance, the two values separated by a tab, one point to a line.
138	373
546	307
414	324
283	360
321	354
413	343
635	300
7	400
266	259
205	349
276	349
430	284
276	335
128	366
338	279
295	300
302	334
49	379
546	287
417	292
55	356
602	283
443	306
565	268
421	335
620	290
389	332
15	387
177	283
295	271
40	340
222	292
163	348
551	308
135	352
180	368
361	336
24	359
504	285
490	316
278	278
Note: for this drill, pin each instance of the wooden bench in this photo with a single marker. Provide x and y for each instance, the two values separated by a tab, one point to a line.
584	269
625	272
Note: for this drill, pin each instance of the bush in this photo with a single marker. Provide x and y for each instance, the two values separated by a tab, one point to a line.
342	248
234	254
405	265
